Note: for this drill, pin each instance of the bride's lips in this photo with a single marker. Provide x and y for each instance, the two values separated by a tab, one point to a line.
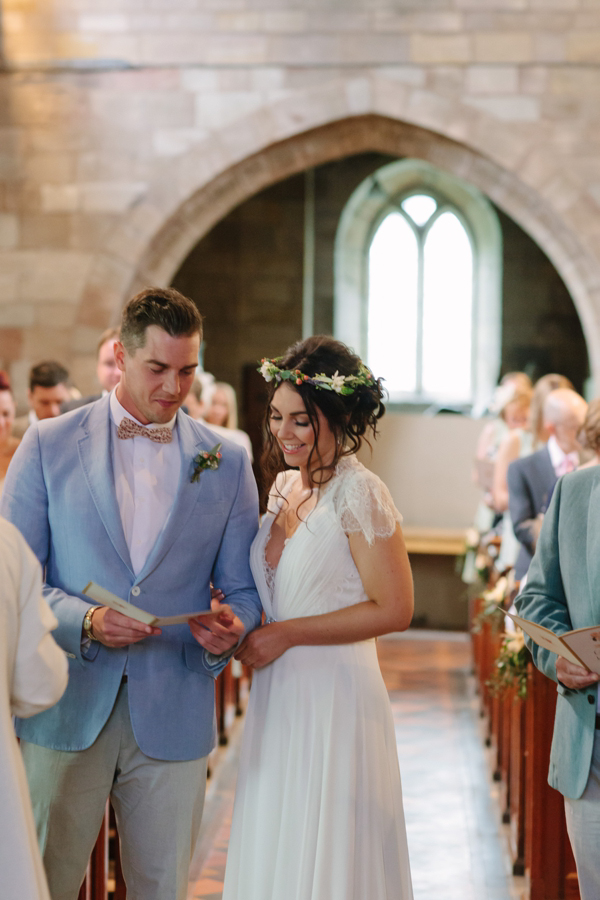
291	450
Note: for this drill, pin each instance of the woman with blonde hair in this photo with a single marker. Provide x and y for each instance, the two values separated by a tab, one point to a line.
219	411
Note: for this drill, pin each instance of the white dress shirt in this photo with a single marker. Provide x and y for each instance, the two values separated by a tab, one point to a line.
146	480
561	462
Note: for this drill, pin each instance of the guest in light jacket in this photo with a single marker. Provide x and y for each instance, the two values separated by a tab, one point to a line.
33	676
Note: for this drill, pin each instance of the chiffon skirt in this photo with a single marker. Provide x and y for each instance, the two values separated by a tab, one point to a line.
318	810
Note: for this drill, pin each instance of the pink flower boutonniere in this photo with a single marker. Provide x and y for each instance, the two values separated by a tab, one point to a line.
206	460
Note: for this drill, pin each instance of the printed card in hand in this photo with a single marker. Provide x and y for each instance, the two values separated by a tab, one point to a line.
580	647
107	598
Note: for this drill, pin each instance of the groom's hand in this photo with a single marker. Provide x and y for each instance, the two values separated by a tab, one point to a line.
116	630
218	635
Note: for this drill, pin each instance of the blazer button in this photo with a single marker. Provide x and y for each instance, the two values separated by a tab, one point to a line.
136	592
591	698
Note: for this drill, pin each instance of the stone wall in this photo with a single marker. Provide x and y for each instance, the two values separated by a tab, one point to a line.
129	128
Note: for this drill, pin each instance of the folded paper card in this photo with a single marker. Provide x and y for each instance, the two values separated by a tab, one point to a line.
106	598
581	647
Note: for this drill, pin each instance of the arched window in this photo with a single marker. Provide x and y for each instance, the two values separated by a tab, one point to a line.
420	298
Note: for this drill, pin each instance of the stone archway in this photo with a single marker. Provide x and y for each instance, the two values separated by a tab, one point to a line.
146	249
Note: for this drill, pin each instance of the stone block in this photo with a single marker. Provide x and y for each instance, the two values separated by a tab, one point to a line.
9	287
508	47
238	21
105	22
583	47
534	80
429	48
140	111
492	79
57	168
508	109
11	349
44	231
358	92
423	22
199	79
59	197
237	49
110	197
217	110
9	231
20	315
52	276
374	48
175	141
287	21
321	20
415	76
54	315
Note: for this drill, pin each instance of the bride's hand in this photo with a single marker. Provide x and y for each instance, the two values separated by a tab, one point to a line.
263	645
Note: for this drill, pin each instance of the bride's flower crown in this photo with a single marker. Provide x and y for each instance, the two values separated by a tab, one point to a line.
341	384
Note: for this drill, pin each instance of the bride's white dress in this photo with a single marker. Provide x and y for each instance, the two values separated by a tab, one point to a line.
318	809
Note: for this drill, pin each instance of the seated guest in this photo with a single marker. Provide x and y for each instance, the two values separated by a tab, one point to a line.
531	480
511	403
522	441
107	371
33	677
48	390
8	442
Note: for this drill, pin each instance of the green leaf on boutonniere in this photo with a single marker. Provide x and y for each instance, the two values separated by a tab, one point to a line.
210	459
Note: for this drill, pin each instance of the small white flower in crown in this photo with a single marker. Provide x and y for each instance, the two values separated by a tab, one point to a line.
340	384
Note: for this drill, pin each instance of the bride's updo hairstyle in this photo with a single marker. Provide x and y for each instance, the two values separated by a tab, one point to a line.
351	417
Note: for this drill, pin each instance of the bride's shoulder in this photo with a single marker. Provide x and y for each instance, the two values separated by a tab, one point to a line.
363	502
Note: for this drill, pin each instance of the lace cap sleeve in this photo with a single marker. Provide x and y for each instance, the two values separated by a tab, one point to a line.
365	506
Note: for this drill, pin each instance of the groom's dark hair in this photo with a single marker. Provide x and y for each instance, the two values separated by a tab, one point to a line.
165	307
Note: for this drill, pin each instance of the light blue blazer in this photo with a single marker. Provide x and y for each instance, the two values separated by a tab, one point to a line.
563	593
59	492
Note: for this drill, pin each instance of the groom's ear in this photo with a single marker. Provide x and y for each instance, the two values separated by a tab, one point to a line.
120	355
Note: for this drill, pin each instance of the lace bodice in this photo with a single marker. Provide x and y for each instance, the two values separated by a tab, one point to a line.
316	572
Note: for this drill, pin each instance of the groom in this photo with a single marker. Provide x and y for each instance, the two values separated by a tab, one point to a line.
106	493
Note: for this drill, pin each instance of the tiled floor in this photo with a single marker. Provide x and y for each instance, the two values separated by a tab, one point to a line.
457	846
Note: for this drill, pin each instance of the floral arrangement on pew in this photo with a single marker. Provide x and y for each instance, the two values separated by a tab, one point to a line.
510	668
498	595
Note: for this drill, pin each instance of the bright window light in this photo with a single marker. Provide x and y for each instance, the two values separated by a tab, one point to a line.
447	310
393	293
420	207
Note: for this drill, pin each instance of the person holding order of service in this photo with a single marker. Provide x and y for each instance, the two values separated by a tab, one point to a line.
563	593
127	492
33	676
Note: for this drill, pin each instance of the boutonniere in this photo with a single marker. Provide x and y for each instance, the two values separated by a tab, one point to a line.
207	460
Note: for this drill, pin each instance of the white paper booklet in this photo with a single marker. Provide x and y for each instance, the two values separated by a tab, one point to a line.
107	598
581	647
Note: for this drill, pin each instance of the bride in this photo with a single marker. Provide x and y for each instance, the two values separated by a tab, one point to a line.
318	810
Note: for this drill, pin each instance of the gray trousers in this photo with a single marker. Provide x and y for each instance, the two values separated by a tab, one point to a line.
158	807
583	825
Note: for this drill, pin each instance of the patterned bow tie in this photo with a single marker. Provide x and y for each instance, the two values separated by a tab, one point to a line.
128	429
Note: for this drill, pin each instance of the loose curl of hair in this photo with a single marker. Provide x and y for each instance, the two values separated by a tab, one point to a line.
349	416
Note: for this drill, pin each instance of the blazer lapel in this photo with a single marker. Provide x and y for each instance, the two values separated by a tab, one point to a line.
548	478
593	549
96	460
188	494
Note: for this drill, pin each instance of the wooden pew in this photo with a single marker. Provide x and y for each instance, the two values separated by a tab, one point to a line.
549	864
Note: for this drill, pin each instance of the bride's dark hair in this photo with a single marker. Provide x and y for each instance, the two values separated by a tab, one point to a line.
349	416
